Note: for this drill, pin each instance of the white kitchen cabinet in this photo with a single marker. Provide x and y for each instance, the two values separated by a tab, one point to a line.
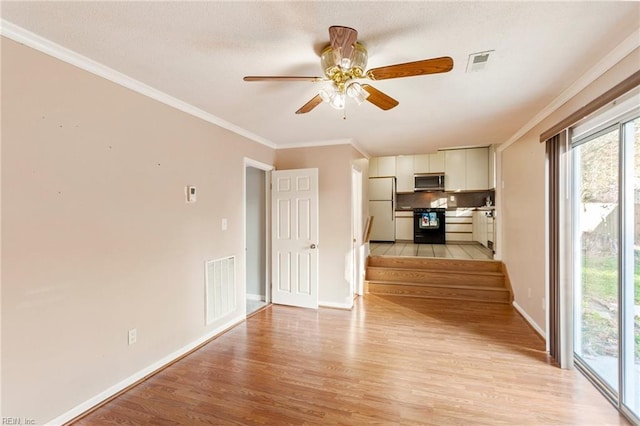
455	162
404	226
404	173
421	163
480	229
436	162
429	163
490	231
382	166
386	166
477	169
466	169
459	225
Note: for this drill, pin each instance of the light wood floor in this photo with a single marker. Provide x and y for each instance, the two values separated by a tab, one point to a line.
391	360
449	250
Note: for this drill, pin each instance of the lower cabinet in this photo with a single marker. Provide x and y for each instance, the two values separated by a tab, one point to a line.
404	225
459	225
491	233
481	227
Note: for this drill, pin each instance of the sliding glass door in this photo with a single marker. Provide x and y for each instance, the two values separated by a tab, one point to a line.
606	259
631	266
596	211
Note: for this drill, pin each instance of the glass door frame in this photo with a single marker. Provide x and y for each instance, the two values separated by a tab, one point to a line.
625	256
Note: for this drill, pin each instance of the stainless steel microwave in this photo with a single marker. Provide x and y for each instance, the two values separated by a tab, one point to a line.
428	182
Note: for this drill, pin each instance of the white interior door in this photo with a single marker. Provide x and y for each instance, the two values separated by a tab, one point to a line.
294	203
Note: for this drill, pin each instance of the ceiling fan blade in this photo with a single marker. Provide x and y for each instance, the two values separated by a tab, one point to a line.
343	41
314	102
409	69
280	78
379	99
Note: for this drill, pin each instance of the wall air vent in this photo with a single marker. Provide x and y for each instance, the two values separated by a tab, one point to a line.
478	61
220	290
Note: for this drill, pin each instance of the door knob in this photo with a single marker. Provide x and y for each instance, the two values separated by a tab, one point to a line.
313	246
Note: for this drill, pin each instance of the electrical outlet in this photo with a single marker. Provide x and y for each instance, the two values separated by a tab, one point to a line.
133	336
224	224
529	292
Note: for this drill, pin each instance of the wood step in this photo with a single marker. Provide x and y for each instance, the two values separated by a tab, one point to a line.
426	276
460	292
479	280
412	262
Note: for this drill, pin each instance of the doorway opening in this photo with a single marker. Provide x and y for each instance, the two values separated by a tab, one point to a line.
256	235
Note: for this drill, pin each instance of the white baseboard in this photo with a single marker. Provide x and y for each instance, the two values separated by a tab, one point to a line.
530	320
108	393
334	305
256	297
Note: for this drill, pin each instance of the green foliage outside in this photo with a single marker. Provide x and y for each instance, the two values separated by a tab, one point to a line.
600	306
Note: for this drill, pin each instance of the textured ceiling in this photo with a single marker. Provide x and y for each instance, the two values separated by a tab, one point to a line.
198	52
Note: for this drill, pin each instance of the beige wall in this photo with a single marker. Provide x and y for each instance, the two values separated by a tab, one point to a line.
523	197
334	165
96	235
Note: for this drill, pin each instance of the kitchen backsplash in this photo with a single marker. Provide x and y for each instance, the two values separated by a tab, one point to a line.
444	199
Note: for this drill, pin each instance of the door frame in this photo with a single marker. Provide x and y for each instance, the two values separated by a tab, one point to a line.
267	168
357	261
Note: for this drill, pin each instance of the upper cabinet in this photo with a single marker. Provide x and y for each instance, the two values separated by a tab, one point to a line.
382	166
429	163
421	163
455	175
477	169
467	169
404	173
436	162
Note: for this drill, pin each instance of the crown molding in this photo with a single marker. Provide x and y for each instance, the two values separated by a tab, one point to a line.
20	35
627	46
360	149
332	142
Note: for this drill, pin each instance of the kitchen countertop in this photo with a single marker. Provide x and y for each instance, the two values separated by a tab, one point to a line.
481	208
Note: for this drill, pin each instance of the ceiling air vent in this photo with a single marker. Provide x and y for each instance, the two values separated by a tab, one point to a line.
478	61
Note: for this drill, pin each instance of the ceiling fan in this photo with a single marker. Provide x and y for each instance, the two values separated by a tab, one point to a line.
344	62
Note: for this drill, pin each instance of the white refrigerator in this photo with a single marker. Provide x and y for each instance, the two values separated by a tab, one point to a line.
382	200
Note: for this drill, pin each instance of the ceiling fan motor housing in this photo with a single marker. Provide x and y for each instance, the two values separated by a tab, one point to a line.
348	68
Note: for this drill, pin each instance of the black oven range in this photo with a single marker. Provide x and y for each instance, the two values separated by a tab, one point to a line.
429	225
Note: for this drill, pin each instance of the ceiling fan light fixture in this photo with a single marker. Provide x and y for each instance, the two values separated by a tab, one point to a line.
327	92
337	100
357	93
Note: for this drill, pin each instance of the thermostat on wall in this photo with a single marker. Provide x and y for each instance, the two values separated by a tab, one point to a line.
191	194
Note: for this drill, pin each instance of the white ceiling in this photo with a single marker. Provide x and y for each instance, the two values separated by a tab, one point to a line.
198	52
